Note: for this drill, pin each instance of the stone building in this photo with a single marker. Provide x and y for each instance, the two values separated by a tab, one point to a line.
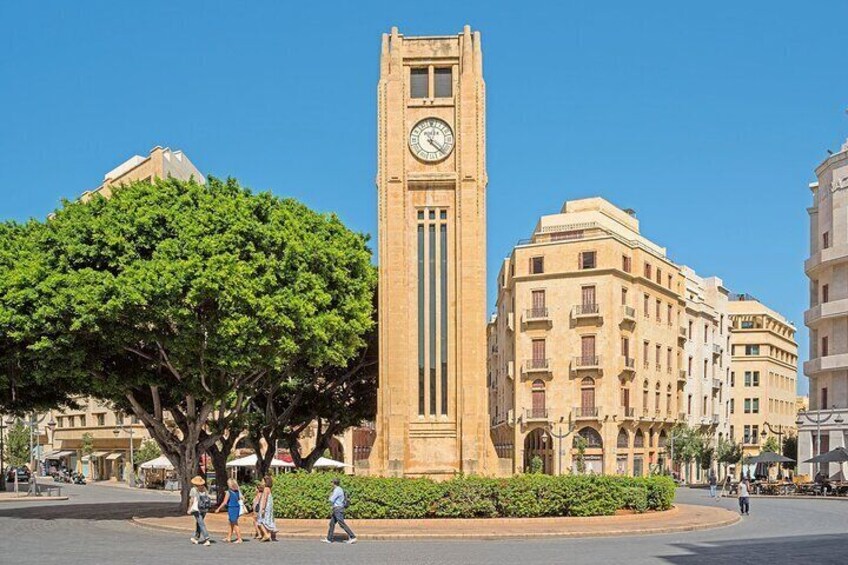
586	338
706	359
431	192
827	269
763	374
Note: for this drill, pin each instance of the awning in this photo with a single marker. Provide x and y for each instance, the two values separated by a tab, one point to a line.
768	457
99	453
58	454
114	456
326	463
838	455
250	461
160	462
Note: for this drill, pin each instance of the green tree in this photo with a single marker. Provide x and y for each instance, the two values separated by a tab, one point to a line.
17	444
537	466
148	451
179	298
580	444
790	450
771	444
705	458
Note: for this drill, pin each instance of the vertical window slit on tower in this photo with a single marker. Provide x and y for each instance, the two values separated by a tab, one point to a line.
443	275
432	307
421	316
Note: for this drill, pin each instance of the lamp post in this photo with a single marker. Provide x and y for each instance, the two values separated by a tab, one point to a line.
33	443
779	434
560	436
802	415
129	430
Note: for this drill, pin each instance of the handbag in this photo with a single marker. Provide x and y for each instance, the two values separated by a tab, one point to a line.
242	506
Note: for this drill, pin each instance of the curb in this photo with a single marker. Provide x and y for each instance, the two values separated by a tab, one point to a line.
32	499
613	531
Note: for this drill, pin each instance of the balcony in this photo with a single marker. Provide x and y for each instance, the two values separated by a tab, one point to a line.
823	364
825	311
717	349
536	315
682	376
628	365
535	366
586	363
682	417
715	420
629	314
585	412
586	312
510	370
536	415
682	333
716	384
646	414
628	413
510	321
826	257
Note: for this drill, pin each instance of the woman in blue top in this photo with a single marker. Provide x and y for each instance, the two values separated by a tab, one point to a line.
232	501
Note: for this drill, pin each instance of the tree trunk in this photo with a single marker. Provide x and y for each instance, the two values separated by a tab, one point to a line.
219	463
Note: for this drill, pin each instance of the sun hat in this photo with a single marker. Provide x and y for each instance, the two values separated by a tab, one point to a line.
198	481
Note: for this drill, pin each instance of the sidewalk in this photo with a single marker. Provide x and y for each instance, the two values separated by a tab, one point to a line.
681	518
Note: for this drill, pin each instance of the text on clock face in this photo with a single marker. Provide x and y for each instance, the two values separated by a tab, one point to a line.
431	139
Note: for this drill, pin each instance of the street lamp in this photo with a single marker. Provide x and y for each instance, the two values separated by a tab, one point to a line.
129	430
2	462
779	434
560	436
802	415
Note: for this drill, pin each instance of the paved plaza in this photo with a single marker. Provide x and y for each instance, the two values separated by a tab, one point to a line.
93	527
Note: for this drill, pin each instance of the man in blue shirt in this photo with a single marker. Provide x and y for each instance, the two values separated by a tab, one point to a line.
337	502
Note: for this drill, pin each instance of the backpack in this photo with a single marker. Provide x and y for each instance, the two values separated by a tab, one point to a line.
204	502
346	501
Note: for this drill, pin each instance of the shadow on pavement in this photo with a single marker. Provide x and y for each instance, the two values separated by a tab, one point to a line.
103	511
818	549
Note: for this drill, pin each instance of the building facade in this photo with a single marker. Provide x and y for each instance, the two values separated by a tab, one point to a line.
586	341
763	374
827	269
431	187
706	359
95	440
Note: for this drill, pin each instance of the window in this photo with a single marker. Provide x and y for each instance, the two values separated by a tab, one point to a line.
747	405
647	270
537	265
645	346
823	399
755	405
669	314
443	78
626	263
669	281
659	275
668	359
704	407
825	292
732	378
624	296
824	347
706	332
746	434
689	405
755	434
587	260
659	311
645	396
691	329
659	353
645	306
731	434
82	421
419	79
826	240
60	422
689	367
747	325
747	378
101	419
732	406
538	351
119	419
755	378
752	350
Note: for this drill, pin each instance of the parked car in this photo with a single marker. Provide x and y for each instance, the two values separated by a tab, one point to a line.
22	472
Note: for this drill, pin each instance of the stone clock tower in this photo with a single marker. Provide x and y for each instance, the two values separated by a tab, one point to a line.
432	414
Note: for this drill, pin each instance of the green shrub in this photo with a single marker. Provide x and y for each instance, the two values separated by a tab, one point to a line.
304	495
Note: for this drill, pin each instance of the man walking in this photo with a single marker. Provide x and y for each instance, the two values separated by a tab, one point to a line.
338	503
744	500
713	483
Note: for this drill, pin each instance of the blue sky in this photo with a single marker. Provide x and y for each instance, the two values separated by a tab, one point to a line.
707	119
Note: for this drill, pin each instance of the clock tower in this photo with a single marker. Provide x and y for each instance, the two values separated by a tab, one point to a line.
432	411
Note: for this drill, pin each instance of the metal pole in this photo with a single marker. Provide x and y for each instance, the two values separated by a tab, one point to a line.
31	456
2	462
132	463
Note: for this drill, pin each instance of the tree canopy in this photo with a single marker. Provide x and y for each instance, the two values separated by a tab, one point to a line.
176	300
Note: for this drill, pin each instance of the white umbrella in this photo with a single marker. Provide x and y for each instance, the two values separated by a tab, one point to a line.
250	461
160	462
326	463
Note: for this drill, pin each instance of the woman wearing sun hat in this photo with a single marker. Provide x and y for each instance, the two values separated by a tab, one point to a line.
199	504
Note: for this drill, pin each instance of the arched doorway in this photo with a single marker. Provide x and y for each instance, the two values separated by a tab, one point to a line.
638	454
336	449
538	444
622	444
593	455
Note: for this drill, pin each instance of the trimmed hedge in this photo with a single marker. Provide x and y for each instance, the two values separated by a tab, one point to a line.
304	495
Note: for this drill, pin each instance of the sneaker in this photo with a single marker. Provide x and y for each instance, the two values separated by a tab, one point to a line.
194	541
351	541
207	543
325	540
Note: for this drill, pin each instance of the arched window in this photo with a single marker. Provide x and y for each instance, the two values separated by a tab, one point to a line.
538	409
592	437
645	395
663	441
623	441
587	398
639	439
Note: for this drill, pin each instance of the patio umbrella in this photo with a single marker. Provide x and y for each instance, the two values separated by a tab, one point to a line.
769	457
838	455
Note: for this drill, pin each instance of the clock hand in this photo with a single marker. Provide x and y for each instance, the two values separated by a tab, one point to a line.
433	143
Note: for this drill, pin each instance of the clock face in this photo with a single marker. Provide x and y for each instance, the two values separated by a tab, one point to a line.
431	140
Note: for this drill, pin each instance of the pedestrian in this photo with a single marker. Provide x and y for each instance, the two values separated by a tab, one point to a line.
338	502
713	480
265	514
257	528
744	498
199	504
234	504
